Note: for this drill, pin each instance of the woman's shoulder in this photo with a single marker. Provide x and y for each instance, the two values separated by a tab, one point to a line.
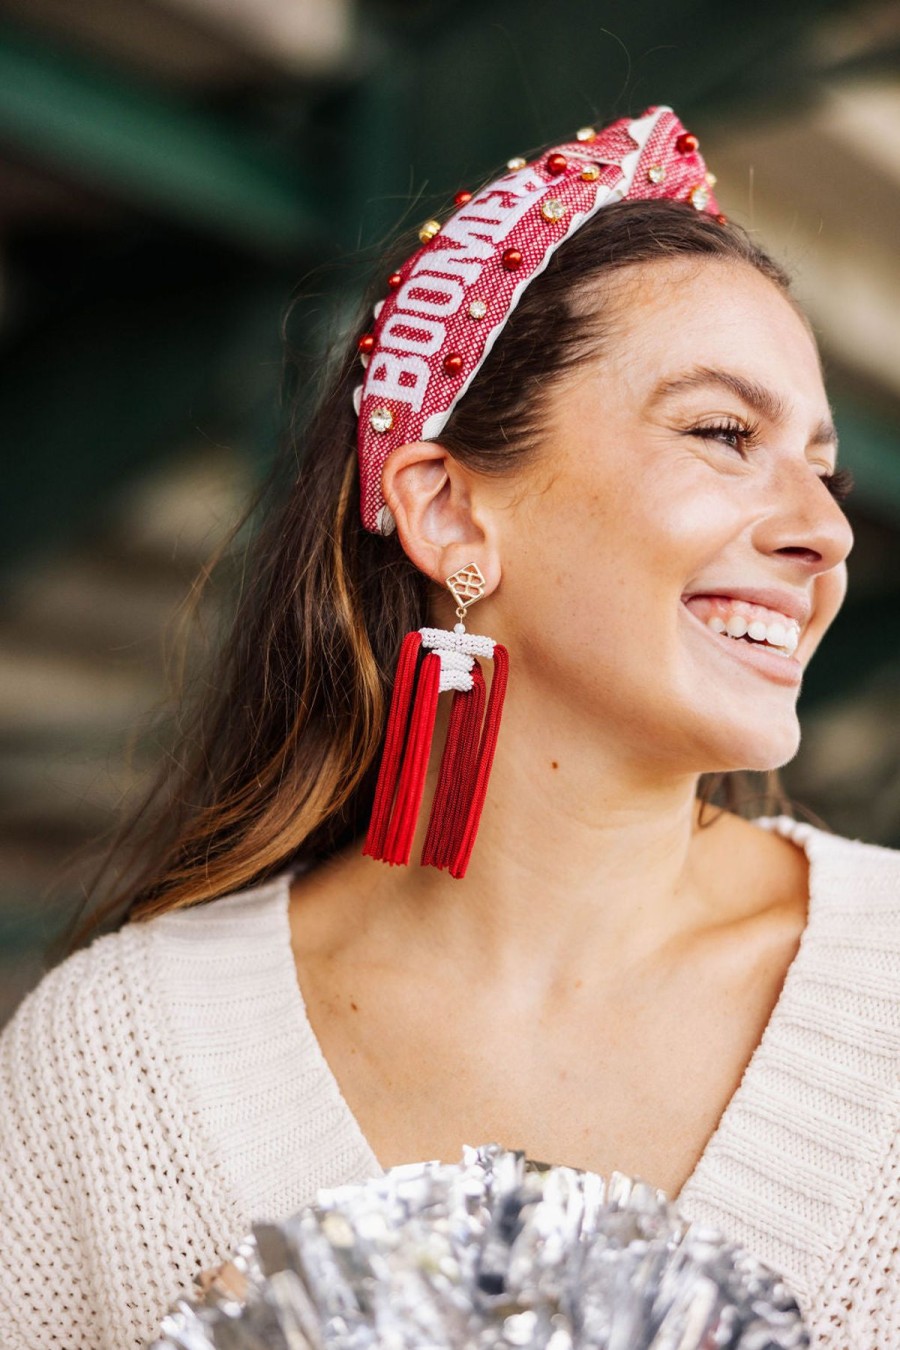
104	1154
847	874
185	1023
90	982
132	996
69	1016
843	990
231	929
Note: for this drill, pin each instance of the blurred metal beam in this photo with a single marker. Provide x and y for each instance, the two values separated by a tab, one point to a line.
133	143
863	116
871	450
157	44
201	44
99	393
804	187
309	37
860	651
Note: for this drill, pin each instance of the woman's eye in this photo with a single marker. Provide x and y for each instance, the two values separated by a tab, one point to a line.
737	436
732	434
839	484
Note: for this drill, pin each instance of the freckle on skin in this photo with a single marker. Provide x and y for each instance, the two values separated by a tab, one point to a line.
353	1006
553	764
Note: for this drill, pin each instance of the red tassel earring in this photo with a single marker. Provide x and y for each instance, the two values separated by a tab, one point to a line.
449	663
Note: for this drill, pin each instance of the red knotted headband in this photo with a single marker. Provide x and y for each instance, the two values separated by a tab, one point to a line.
449	302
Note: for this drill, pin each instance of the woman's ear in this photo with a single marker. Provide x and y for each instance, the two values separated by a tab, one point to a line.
442	523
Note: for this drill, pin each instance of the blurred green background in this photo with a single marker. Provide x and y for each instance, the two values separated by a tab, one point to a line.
174	172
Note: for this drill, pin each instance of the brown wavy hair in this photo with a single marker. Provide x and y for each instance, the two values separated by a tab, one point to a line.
277	755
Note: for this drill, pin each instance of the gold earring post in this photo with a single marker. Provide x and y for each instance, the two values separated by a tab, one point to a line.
466	586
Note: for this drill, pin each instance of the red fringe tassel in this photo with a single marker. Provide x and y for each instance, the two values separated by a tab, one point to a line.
456	775
415	763
486	750
464	769
398	717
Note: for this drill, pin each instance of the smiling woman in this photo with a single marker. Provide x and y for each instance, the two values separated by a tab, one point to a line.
646	481
592	404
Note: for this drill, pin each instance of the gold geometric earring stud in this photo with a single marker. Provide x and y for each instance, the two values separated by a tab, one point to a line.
466	586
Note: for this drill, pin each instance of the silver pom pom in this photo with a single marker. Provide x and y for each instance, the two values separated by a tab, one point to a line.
493	1252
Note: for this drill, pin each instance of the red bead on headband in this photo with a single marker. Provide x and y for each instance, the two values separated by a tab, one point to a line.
449	302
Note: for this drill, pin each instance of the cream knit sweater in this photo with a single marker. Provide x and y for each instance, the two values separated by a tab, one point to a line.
163	1088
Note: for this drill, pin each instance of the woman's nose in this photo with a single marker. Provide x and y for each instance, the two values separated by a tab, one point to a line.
806	522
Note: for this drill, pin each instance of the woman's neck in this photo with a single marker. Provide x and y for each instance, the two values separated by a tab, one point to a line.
561	854
578	850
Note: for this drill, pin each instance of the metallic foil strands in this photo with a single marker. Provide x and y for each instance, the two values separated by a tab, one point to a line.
490	1253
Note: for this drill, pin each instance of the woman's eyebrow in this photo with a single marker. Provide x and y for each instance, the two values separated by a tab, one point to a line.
764	401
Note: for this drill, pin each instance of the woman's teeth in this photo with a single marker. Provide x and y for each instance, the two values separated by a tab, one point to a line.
783	637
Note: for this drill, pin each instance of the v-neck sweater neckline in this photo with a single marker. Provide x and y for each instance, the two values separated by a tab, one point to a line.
697	1184
784	1166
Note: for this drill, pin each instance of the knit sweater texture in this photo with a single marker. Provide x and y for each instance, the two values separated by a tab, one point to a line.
163	1089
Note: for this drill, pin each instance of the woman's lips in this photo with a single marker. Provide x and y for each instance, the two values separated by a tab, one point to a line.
774	665
723	606
789	605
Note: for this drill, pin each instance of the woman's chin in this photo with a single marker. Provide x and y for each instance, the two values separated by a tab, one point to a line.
760	750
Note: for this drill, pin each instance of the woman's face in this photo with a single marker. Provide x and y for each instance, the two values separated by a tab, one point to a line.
678	503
